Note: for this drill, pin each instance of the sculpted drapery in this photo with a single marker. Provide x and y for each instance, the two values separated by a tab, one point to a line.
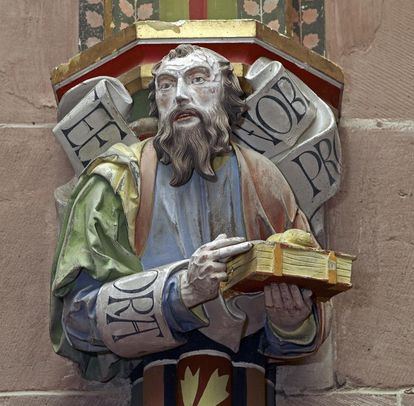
121	290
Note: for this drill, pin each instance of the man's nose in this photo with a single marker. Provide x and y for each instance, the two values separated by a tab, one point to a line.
182	96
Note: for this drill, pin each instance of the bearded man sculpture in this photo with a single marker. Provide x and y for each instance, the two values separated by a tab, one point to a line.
144	246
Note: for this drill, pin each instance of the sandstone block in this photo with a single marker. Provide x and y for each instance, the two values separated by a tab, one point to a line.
31	166
31	161
62	399
408	399
372	41
372	217
36	36
339	399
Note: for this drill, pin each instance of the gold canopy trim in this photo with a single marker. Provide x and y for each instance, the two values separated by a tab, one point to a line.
197	30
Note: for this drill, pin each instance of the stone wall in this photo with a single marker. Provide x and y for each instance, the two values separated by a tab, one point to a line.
34	37
372	216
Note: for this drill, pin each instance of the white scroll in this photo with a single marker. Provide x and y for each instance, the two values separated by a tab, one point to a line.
288	123
93	120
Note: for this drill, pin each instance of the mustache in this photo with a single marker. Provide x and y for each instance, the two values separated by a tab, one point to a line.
181	111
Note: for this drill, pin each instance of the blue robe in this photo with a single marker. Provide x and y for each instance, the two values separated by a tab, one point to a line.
183	218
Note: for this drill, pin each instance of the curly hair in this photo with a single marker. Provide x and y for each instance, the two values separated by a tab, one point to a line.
233	102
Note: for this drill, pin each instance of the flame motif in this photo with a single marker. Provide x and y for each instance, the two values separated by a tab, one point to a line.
214	393
189	386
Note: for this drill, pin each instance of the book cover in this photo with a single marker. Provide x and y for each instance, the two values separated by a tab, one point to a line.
325	272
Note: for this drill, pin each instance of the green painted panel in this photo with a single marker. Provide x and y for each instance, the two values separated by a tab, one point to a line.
296	25
221	9
273	15
123	14
91	29
140	108
313	25
173	10
249	9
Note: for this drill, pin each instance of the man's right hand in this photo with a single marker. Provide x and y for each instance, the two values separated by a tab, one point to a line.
207	268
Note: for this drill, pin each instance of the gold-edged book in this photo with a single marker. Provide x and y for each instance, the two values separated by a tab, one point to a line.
325	272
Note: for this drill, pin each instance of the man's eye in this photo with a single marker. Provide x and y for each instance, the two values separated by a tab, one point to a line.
198	80
165	85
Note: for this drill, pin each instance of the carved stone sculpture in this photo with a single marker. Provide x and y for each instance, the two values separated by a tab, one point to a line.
150	226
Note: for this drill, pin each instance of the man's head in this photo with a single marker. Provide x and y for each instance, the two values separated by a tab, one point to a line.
197	98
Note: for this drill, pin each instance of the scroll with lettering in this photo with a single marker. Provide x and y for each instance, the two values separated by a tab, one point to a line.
96	120
279	112
289	124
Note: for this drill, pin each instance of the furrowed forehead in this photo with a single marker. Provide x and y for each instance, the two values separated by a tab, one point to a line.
197	58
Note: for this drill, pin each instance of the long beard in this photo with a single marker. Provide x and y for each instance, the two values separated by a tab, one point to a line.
193	147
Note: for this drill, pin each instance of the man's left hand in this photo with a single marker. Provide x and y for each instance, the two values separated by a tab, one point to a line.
286	306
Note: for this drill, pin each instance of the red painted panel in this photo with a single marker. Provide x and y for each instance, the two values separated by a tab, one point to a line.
206	366
239	52
198	9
